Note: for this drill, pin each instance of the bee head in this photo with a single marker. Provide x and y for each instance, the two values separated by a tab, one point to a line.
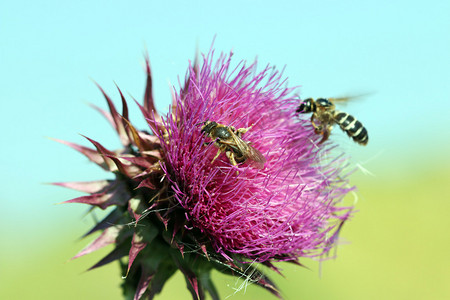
305	106
207	126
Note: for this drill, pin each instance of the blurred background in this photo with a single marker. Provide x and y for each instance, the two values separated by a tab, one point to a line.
395	247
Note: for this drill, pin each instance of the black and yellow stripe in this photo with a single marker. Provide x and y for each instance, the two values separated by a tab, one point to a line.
352	127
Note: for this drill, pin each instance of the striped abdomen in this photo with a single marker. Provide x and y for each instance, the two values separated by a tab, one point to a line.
352	127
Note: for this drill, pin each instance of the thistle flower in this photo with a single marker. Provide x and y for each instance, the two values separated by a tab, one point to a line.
175	207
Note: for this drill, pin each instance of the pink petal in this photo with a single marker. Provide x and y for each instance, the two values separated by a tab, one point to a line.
107	237
92	155
140	161
84	186
105	114
118	125
144	281
137	245
149	104
117	253
191	277
147	183
108	221
117	195
111	159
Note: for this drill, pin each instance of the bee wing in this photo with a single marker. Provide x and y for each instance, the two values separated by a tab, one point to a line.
348	98
340	99
250	152
256	156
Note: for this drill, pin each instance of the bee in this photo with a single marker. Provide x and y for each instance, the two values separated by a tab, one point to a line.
229	140
323	110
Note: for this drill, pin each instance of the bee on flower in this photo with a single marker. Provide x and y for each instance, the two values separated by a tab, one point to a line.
229	140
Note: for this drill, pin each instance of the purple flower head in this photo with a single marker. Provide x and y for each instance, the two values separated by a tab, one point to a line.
283	211
230	176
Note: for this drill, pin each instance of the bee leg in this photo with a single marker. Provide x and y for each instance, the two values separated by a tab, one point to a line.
217	155
241	131
221	149
317	129
230	156
326	134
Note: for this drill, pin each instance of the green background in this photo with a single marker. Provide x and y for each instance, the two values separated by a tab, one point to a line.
395	247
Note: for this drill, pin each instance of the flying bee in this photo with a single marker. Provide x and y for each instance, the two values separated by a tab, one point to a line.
229	140
323	110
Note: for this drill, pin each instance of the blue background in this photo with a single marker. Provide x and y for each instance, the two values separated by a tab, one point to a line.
397	51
